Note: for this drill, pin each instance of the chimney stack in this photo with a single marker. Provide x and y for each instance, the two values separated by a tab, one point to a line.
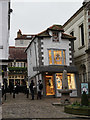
19	34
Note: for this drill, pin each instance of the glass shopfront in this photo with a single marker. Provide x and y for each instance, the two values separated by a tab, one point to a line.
71	80
49	83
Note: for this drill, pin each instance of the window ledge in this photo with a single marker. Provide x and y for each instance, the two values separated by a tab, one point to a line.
81	47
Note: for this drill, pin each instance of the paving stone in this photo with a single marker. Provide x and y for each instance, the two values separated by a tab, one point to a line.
22	107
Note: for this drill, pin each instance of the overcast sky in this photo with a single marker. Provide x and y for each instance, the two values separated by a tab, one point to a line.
34	17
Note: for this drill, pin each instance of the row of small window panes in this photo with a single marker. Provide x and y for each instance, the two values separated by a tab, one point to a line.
17	76
18	64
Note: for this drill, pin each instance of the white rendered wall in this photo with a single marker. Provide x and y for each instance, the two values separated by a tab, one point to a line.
47	44
62	44
4	29
31	59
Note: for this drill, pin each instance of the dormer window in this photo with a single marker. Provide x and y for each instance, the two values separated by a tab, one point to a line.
55	36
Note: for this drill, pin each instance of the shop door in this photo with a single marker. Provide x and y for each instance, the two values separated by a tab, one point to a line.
49	85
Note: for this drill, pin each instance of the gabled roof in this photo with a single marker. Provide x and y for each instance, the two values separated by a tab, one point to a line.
17	53
25	37
43	34
56	28
52	28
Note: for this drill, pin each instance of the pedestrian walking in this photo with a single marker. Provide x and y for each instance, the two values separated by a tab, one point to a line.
32	89
39	89
17	88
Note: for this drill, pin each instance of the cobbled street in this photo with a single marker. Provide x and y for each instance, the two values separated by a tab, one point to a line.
22	107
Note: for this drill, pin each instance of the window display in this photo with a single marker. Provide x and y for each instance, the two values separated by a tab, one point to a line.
49	85
71	80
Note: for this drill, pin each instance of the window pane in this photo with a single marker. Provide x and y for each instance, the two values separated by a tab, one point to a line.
57	57
50	57
64	57
59	80
71	81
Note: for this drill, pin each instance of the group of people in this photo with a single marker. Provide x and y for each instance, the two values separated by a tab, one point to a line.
39	89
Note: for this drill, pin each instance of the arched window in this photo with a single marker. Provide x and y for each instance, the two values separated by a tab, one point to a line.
83	74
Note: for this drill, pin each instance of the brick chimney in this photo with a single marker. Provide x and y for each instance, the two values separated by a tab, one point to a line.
19	34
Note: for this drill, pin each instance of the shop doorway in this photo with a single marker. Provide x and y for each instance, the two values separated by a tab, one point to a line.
49	83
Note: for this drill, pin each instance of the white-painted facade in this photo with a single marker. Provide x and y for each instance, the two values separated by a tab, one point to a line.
42	45
47	44
4	32
4	36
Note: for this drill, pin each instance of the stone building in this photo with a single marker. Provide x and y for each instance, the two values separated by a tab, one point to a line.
48	54
79	26
17	67
4	37
23	40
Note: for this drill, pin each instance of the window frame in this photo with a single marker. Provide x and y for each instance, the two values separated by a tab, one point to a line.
52	56
81	34
54	39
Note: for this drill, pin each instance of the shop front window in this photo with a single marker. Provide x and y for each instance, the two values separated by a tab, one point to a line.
71	80
57	57
59	80
49	85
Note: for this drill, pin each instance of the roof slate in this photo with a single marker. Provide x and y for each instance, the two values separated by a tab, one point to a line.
17	53
44	34
56	27
66	36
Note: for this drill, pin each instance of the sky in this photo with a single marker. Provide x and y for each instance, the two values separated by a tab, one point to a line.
34	16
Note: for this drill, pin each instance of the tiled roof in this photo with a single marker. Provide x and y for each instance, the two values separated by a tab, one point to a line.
44	34
56	27
17	53
66	36
53	27
25	37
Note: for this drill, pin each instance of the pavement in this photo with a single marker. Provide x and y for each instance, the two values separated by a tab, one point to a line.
23	108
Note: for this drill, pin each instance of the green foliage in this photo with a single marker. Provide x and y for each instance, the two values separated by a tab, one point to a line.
84	99
17	68
76	103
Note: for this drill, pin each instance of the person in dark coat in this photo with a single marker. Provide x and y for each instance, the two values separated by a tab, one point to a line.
39	89
32	89
11	87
